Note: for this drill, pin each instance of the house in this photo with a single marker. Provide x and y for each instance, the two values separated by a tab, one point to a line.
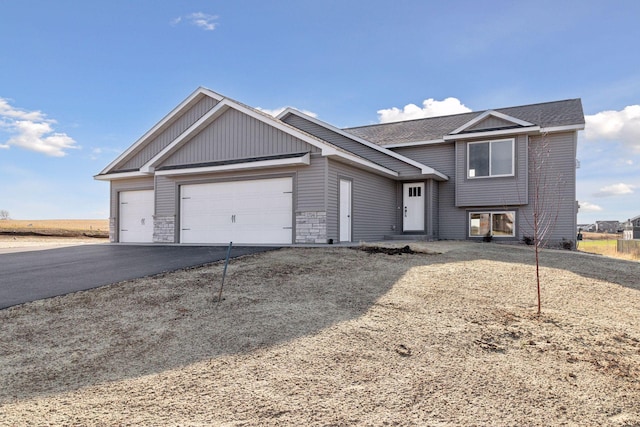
587	227
635	223
215	170
607	226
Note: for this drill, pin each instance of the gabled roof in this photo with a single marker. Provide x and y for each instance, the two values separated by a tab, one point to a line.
224	103
548	117
424	169
173	115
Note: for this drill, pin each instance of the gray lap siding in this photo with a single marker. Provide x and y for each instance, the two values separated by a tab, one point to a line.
449	221
498	191
374	203
459	196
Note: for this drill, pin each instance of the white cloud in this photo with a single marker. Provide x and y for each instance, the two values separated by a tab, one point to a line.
199	19
619	189
274	112
623	126
430	108
589	207
33	131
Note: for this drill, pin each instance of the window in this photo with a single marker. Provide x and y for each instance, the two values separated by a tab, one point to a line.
490	158
415	191
498	224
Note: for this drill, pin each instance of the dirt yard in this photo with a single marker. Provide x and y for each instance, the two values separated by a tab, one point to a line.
336	336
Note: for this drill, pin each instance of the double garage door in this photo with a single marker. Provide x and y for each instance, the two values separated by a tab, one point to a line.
255	211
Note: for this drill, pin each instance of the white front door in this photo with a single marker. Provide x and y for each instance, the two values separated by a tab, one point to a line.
345	210
136	216
255	211
413	210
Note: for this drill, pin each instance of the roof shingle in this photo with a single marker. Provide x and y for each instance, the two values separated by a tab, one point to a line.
547	114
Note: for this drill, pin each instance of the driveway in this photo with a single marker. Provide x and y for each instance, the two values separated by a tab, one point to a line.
34	275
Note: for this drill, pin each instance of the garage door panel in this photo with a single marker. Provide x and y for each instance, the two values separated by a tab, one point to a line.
136	216
255	211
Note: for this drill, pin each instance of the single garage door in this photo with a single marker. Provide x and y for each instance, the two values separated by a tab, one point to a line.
136	216
255	211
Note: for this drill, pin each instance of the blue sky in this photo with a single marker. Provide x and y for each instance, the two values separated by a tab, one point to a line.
80	81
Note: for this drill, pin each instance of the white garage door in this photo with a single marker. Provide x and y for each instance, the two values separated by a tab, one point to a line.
256	211
136	216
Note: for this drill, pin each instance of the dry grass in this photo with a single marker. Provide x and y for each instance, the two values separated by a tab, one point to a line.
56	227
336	336
606	246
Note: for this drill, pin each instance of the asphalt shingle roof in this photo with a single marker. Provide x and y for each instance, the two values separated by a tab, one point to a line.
548	114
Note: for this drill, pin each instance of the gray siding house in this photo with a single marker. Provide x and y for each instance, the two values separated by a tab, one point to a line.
215	170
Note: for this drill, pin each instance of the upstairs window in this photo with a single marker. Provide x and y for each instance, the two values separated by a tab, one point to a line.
490	158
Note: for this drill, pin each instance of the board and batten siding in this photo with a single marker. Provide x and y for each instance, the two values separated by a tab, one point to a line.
167	135
374	202
450	219
235	135
560	189
492	191
352	146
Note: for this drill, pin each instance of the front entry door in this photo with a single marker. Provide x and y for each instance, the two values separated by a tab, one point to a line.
413	209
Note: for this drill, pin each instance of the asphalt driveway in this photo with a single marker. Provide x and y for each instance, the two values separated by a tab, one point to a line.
34	275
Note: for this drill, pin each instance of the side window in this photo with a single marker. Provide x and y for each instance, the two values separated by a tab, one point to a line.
490	158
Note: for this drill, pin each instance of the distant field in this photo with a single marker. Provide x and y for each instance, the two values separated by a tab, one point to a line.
600	236
56	227
607	245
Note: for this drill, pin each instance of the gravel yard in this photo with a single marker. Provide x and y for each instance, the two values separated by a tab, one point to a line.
336	336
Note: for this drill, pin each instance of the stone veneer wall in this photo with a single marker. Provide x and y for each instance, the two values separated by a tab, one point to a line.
164	229
112	229
311	227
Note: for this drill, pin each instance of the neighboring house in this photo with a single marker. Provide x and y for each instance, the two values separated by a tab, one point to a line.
607	226
635	222
215	170
586	227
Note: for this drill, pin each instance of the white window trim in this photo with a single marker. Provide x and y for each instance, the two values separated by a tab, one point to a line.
513	158
498	236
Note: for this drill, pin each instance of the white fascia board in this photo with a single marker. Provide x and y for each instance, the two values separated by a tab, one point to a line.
414	143
493	113
297	161
210	116
357	139
184	105
120	175
553	129
532	129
